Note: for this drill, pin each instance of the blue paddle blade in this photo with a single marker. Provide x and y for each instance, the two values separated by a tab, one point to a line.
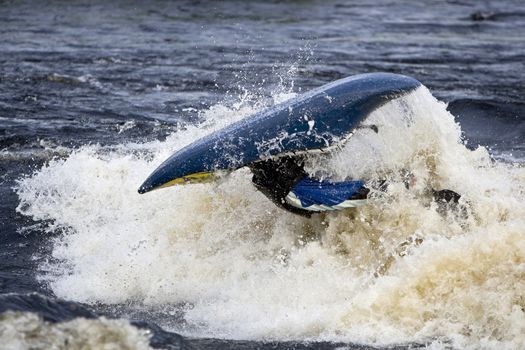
315	195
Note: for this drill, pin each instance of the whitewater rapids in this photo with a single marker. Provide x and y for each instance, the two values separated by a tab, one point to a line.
401	269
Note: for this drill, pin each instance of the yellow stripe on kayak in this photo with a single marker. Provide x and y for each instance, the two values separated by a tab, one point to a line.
190	179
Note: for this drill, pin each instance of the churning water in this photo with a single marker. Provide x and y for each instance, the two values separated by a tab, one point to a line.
399	269
87	114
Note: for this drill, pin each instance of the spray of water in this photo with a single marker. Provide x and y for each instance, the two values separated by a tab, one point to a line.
401	269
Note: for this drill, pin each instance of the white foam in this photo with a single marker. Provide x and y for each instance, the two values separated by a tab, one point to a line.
392	271
24	330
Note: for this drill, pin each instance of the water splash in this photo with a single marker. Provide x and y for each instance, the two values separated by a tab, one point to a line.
401	269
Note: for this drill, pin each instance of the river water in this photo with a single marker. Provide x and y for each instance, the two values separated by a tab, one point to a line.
94	96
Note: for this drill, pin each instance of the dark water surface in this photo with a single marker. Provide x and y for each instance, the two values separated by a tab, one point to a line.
76	73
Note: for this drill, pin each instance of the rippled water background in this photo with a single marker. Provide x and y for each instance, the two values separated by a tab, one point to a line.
75	73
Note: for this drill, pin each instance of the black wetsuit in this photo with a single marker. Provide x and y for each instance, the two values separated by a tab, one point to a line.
275	179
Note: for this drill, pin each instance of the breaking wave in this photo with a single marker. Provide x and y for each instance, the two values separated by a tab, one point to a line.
401	269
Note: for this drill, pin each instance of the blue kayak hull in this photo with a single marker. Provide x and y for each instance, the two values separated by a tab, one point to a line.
319	119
